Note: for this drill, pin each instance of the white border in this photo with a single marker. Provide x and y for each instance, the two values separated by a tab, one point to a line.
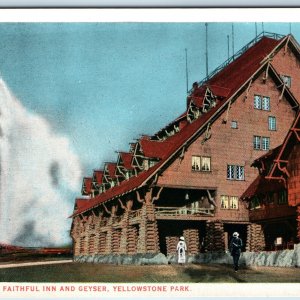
151	15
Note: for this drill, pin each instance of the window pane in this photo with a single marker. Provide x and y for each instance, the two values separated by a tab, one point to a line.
256	142
257	102
230	172
234	124
234	202
239	172
224	201
196	163
272	123
205	164
266	103
265	143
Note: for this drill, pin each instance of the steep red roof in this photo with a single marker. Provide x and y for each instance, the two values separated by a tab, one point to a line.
79	202
124	187
227	82
98	176
126	158
155	149
111	167
261	186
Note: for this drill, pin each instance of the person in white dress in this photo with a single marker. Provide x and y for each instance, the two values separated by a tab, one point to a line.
181	249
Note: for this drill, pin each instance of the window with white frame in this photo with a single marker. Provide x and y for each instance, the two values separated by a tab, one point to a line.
262	102
286	80
230	171
233	202
235	172
265	103
239	172
265	143
257	101
224	202
201	163
261	143
272	123
234	124
229	202
256	142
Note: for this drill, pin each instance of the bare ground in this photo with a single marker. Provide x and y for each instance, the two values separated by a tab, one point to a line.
191	273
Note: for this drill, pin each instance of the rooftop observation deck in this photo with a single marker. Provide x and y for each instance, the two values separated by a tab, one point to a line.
275	36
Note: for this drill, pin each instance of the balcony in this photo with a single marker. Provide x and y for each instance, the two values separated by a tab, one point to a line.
196	213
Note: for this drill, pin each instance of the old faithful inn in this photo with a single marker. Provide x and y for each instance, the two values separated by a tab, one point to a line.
228	163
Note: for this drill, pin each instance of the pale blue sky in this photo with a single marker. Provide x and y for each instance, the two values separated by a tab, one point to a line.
104	84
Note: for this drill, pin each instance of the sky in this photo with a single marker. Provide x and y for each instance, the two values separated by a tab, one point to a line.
102	85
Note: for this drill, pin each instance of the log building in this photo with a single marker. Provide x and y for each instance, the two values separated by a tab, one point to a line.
188	178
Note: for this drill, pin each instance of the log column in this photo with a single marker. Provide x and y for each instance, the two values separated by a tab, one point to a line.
148	241
75	234
215	236
298	223
126	229
97	220
255	238
191	237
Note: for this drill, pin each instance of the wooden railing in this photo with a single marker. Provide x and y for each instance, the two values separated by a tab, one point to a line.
135	215
177	211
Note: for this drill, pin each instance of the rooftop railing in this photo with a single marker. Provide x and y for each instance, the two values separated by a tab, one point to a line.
275	36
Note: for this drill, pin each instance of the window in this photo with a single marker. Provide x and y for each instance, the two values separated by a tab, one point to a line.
261	102
265	143
229	202
205	163
239	172
201	163
261	143
234	124
265	103
233	202
257	102
196	163
230	172
235	172
286	80
272	123
224	202
256	142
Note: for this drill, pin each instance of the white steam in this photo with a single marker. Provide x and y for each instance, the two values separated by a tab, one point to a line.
39	174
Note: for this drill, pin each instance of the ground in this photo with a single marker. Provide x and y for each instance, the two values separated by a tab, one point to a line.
192	273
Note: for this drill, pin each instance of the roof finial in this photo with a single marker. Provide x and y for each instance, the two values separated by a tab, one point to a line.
206	54
186	72
228	45
232	30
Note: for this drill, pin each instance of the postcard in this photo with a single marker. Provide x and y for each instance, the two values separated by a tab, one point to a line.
149	153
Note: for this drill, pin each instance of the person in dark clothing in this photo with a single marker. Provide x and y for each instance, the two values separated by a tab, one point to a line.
236	245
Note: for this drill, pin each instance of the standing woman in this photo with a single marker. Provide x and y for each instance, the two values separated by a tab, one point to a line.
236	245
181	249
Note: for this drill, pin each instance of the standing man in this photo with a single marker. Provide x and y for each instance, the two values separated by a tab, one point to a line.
235	248
181	248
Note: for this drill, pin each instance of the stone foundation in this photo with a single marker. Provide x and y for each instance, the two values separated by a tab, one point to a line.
284	258
123	259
